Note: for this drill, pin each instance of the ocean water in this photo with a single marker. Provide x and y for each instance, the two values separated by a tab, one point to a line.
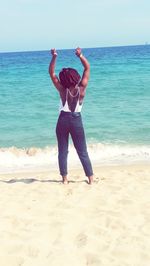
116	110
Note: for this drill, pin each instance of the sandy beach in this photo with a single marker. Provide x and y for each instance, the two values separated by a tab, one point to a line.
46	223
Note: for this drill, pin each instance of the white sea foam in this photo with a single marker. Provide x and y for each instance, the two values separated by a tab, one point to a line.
14	159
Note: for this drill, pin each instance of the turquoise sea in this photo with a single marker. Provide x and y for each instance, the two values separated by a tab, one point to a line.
116	110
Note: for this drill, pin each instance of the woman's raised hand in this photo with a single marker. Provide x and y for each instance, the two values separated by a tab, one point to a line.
53	52
78	51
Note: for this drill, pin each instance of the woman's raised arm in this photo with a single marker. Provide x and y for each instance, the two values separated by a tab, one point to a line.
86	65
52	65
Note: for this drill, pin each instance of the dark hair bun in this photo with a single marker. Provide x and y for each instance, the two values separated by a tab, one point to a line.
69	77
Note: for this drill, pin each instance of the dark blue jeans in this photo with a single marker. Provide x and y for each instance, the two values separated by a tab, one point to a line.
71	123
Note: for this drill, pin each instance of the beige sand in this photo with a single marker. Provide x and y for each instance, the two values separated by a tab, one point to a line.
45	223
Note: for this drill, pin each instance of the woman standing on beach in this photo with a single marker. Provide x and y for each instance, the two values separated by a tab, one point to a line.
71	88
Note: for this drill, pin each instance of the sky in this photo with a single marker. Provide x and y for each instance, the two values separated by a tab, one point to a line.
28	25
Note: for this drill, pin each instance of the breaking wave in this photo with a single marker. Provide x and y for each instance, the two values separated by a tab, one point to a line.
16	159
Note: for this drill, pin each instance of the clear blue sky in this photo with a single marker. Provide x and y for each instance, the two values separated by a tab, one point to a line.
43	24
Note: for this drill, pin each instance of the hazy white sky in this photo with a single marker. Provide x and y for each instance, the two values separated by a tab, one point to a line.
42	24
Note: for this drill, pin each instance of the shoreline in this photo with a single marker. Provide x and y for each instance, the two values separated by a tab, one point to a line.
34	159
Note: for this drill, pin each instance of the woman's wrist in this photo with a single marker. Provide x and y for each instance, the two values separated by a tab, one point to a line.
55	54
80	55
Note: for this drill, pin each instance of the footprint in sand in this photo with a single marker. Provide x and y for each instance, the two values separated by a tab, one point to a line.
32	252
92	260
69	192
81	240
97	179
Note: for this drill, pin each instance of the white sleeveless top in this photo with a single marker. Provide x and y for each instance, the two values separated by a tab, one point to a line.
65	107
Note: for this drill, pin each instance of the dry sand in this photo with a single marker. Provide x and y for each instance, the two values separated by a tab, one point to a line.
45	223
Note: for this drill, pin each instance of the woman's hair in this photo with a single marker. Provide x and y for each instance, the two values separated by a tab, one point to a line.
69	77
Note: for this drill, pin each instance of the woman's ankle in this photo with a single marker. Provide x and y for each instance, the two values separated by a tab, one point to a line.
64	179
90	178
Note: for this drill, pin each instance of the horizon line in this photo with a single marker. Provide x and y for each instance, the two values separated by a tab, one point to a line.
60	49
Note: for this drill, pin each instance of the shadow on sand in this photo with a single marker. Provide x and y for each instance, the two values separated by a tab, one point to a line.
31	180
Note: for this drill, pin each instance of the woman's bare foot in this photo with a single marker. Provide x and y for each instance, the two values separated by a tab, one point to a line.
65	180
90	180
